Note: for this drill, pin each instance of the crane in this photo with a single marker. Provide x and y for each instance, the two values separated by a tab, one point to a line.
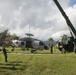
70	45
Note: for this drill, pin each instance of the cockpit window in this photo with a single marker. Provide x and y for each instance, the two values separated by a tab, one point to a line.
41	43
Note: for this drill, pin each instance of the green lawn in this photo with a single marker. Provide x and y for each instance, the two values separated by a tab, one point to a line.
38	64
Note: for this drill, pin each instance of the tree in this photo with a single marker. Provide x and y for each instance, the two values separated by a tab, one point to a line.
51	39
64	39
3	35
7	36
11	37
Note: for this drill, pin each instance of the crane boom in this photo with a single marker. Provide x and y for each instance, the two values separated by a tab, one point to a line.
65	17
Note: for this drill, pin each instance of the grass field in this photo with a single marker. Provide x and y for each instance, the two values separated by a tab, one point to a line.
38	64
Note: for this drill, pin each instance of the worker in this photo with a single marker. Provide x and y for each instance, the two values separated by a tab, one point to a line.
51	48
4	52
75	47
13	48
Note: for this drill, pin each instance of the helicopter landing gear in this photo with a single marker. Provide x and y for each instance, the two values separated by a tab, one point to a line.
33	51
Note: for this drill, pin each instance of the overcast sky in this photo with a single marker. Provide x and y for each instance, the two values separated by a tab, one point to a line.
43	17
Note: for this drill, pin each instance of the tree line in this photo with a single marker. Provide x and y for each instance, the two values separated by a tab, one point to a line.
5	35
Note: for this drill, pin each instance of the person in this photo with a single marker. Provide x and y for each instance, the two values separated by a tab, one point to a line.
12	48
51	48
75	47
4	52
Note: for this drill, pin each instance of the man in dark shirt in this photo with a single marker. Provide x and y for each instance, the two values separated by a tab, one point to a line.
51	48
4	52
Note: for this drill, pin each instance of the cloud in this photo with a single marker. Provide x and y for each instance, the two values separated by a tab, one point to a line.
72	2
43	16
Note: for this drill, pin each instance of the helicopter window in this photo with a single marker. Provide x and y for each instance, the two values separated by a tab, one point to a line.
16	42
41	43
22	43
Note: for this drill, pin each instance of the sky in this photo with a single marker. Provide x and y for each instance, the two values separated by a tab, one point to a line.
42	18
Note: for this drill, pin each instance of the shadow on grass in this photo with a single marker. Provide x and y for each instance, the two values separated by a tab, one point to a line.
13	65
11	68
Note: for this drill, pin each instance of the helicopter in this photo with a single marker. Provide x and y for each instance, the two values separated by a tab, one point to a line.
23	43
29	42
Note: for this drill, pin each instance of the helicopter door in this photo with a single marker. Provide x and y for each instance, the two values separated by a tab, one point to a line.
29	44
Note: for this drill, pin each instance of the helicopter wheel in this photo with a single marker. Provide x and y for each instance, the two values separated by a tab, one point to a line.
33	51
